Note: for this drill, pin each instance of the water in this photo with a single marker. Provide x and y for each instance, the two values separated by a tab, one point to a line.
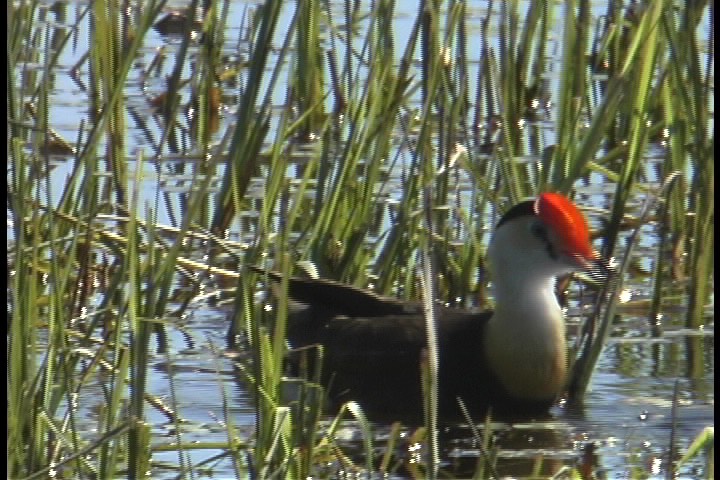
627	415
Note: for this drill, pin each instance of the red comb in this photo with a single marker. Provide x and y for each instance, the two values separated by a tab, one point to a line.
564	217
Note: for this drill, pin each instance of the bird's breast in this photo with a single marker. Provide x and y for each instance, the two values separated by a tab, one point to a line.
528	358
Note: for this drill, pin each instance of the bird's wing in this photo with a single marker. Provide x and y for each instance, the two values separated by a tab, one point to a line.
398	334
342	298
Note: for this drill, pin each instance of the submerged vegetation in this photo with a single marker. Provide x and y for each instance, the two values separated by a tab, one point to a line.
380	156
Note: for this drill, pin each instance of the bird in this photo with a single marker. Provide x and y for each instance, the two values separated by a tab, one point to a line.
512	360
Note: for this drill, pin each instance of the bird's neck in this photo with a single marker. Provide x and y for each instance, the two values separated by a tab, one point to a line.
525	338
517	295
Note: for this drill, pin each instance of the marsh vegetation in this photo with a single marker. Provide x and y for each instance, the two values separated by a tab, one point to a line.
148	168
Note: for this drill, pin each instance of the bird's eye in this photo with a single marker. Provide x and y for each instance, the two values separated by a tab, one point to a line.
539	230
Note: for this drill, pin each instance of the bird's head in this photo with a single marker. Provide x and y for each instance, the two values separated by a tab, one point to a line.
545	237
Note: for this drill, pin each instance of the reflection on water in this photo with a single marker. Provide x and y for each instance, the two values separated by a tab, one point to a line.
627	416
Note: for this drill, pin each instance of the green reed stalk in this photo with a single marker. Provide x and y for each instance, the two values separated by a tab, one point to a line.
657	71
308	91
688	92
397	246
703	443
278	431
642	68
425	157
251	125
23	368
139	324
348	205
38	386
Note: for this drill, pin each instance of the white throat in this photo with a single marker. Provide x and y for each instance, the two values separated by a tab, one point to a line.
524	340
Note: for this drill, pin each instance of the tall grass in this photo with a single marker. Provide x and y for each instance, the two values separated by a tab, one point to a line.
388	153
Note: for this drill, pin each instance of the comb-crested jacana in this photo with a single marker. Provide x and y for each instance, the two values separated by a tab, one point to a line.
513	359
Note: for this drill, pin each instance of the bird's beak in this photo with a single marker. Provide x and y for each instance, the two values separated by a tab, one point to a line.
596	267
